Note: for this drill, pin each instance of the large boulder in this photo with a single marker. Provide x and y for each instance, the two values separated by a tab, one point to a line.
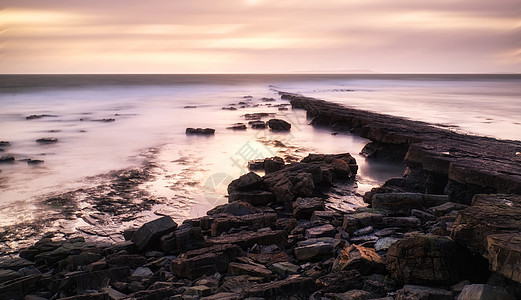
278	125
247	182
303	208
150	233
488	214
237	208
504	255
288	185
429	260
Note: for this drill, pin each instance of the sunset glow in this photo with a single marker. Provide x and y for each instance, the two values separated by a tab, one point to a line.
259	36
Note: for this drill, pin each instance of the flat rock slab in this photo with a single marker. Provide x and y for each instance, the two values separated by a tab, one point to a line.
504	254
471	161
489	214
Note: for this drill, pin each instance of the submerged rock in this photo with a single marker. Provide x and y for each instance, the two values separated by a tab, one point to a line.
200	131
33	117
47	140
7	159
278	125
237	126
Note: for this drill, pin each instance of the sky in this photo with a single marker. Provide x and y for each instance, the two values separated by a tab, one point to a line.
260	36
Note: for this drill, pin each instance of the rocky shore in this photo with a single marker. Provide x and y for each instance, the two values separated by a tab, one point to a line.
449	229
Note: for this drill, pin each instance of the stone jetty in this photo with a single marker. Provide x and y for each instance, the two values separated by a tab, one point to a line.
448	229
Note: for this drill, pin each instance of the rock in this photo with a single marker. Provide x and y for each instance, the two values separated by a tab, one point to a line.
47	140
399	204
34	117
34	161
288	185
402	222
257	116
199	290
326	230
247	182
278	125
489	214
251	270
204	261
237	126
504	255
255	198
484	292
303	208
130	260
273	164
363	259
385	243
428	260
6	275
423	216
6	159
257	124
350	295
82	259
269	258
316	249
284	268
190	106
229	108
247	239
282	108
142	272
189	239
252	221
446	208
355	221
295	286
340	281
5	144
364	231
418	292
223	296
110	120
342	166
236	208
200	131
150	233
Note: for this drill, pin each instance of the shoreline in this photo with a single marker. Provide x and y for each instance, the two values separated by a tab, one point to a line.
276	236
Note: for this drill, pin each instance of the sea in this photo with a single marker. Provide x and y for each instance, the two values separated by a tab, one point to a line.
111	123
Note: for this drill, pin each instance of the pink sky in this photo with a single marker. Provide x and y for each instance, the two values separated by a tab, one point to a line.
259	36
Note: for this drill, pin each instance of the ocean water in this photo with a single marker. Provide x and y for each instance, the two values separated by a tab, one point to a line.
191	173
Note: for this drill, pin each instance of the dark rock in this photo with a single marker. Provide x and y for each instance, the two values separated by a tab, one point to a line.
342	165
357	220
34	161
278	125
247	182
489	214
150	233
4	143
204	261
446	208
82	259
47	140
257	116
504	255
110	120
199	290
295	286
130	260
385	243
402	222
428	260
303	208
253	221
189	239
315	249
268	100
364	231
255	198
269	258
418	292
340	281
282	108
247	269
284	268
398	203
326	230
257	124
484	292
288	185
229	108
237	126
423	216
34	117
190	106
200	131
273	164
247	239
236	208
7	159
363	259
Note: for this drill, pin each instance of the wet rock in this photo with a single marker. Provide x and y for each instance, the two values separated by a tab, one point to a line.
326	230
269	258
273	164
247	269
6	275
34	161
47	140
109	120
204	261
252	221
296	286
255	198
237	126
150	233
350	295
223	296
385	243
183	239
257	116
229	108
236	208
489	214
363	259
418	292
278	125
288	185
504	255
364	231
402	222
282	108
199	290
7	159
484	292
446	208
5	144
34	117
398	203
428	260
122	259
190	106
200	131
303	208
247	182
247	239
343	166
340	281
423	216
82	259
